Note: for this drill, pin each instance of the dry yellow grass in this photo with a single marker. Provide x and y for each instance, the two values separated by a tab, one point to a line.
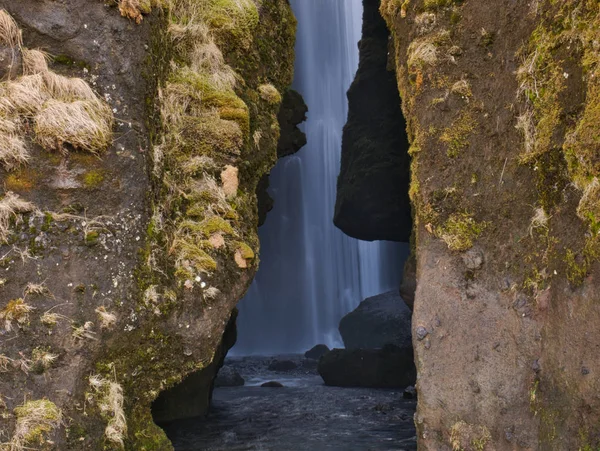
64	110
37	289
11	206
84	124
24	96
16	310
68	89
107	319
13	152
110	401
35	62
10	34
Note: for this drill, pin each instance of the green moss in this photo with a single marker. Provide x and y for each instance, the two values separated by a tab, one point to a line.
147	436
487	38
233	22
247	252
456	137
94	178
66	60
207	227
210	135
459	231
580	263
91	238
455	17
48	220
196	258
551	178
37	418
583	149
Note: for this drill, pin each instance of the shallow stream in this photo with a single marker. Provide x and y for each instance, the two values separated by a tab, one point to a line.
304	415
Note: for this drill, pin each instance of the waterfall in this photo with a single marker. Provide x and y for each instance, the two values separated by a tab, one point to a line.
311	274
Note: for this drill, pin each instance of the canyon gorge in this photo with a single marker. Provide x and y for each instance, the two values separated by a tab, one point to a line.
196	192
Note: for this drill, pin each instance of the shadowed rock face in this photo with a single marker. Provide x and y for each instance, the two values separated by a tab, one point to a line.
389	367
292	112
372	191
377	321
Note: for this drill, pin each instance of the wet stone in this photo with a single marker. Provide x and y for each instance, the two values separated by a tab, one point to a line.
272	384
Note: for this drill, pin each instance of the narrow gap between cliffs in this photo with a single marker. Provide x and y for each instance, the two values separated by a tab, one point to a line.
270	393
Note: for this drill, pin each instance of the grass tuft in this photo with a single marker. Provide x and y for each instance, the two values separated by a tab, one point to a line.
10	34
84	124
16	310
460	231
11	207
107	319
110	402
35	62
35	421
270	94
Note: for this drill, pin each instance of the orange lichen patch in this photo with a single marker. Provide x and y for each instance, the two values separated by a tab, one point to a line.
240	260
131	10
21	180
230	180
216	240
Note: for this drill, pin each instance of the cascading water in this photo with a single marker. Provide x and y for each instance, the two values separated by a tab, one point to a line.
311	274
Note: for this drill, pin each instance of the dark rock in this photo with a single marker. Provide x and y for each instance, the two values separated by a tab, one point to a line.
380	368
309	364
377	321
408	287
410	392
265	201
291	113
10	62
372	189
291	139
228	377
192	397
282	365
316	352
273	384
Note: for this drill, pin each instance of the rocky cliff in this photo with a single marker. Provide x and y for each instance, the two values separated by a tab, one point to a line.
372	191
501	101
133	135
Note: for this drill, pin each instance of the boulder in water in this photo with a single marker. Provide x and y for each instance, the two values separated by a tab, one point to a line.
389	367
228	377
377	321
282	365
272	384
316	352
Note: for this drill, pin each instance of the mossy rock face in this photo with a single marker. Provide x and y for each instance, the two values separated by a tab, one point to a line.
505	165
142	237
